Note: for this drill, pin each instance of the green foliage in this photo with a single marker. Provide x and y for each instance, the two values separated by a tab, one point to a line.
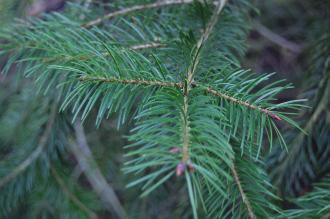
301	175
308	158
314	204
258	191
10	9
175	75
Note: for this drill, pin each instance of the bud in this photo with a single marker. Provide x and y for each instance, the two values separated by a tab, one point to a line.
276	117
180	168
175	150
191	167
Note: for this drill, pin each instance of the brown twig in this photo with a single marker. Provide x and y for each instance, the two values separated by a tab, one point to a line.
147	46
71	196
204	38
135	8
190	77
277	39
88	164
88	57
181	86
244	198
240	102
132	81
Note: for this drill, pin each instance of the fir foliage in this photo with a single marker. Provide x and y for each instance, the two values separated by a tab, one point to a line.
172	70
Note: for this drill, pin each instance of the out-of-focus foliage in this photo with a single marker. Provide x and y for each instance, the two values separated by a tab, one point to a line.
303	170
11	9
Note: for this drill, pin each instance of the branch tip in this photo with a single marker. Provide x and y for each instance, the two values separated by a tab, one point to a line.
180	168
276	117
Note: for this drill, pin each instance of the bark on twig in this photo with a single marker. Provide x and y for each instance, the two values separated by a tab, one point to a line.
181	86
92	172
190	78
241	191
135	8
277	39
71	196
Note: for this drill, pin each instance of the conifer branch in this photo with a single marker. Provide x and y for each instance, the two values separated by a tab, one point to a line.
95	177
240	102
243	195
186	130
204	38
131	81
149	45
95	73
277	39
135	8
71	196
36	153
181	86
190	76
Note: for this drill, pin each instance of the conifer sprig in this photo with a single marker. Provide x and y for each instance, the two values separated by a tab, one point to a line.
242	193
196	113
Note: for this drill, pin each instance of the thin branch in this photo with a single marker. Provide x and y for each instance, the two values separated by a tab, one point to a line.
190	76
36	153
147	46
240	102
135	8
244	197
87	57
277	39
71	196
181	86
132	81
88	164
186	131
204	38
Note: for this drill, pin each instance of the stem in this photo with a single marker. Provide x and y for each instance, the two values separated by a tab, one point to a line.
135	8
277	39
88	57
131	81
71	196
147	46
240	102
36	153
244	197
93	174
190	76
181	86
186	131
204	38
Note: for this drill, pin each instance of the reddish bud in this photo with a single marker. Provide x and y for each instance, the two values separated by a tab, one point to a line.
191	167
276	117
175	150
180	168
